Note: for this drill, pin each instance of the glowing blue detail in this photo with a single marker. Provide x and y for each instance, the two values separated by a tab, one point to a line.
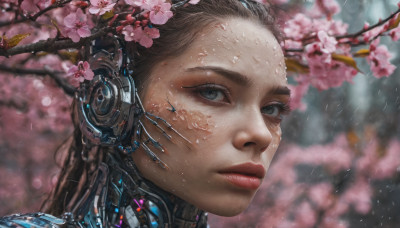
154	224
155	209
116	210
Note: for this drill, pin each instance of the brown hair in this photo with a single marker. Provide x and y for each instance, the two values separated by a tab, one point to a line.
175	37
183	28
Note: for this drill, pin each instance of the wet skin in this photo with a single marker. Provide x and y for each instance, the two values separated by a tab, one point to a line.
226	94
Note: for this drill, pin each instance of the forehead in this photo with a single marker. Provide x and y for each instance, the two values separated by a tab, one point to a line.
239	45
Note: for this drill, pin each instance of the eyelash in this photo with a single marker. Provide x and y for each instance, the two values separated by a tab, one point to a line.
283	108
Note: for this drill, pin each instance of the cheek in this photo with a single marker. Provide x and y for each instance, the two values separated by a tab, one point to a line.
193	124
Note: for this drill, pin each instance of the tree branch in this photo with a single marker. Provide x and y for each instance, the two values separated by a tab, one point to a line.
52	45
354	35
38	14
18	70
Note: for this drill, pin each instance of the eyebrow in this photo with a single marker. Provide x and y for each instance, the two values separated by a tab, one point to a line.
280	90
231	75
238	78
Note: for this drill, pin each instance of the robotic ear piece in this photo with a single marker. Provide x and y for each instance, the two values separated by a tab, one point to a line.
106	104
110	110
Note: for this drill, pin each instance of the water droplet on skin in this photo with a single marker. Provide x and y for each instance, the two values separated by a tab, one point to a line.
197	141
223	26
274	48
276	71
202	54
184	180
256	59
235	59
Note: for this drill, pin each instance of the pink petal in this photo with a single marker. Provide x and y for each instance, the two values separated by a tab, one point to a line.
72	70
84	32
80	15
146	41
94	9
94	2
74	36
85	65
158	18
89	74
109	7
152	32
69	20
138	34
29	6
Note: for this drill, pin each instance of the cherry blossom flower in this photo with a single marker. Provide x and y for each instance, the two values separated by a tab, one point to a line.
379	60
129	32
298	27
100	6
76	26
159	11
328	44
325	7
80	72
143	36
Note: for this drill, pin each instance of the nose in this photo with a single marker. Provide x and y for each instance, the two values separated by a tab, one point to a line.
252	132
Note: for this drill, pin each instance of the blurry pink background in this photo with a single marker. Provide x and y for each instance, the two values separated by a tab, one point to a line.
338	165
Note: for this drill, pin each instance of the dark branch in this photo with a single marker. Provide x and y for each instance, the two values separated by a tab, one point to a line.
38	14
354	35
52	45
18	70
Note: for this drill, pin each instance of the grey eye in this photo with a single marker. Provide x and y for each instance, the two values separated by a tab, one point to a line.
271	110
212	94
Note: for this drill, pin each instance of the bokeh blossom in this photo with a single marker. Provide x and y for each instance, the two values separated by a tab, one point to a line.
379	60
33	6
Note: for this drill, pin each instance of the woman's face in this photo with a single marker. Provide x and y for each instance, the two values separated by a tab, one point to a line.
226	94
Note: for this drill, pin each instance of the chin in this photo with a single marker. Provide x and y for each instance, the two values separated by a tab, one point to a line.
228	210
226	206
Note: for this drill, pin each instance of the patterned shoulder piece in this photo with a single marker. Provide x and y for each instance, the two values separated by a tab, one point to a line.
32	220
